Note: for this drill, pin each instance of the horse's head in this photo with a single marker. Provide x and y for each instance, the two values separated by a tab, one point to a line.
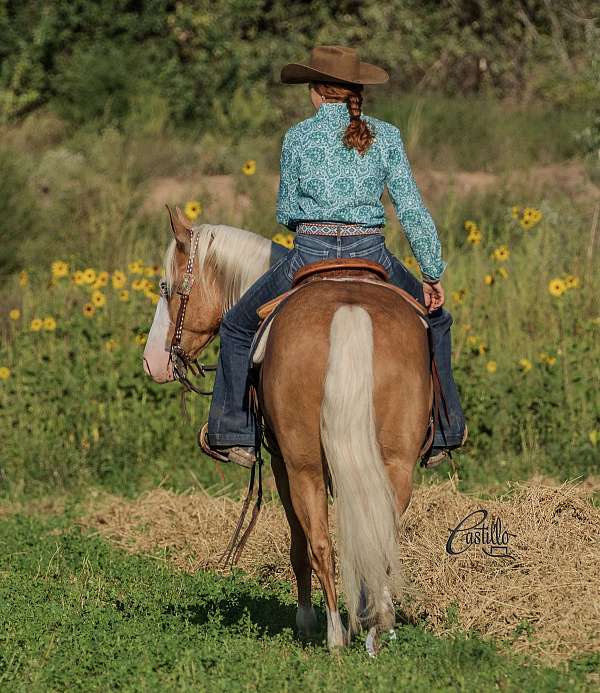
203	308
207	268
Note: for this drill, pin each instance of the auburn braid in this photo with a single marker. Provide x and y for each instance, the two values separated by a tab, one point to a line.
358	134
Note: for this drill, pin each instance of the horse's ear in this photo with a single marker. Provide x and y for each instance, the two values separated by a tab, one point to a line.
180	226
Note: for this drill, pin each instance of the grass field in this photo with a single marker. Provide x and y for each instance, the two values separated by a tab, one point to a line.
518	214
81	616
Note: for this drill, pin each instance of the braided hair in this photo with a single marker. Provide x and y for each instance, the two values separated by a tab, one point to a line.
358	134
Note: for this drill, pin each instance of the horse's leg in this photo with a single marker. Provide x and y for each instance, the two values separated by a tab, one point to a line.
309	497
306	620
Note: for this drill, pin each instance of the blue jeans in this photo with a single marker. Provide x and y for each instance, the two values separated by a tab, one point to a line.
230	421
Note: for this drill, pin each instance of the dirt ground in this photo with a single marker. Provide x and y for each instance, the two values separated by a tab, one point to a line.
219	193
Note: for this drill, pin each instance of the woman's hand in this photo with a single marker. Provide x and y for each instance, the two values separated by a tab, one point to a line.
434	295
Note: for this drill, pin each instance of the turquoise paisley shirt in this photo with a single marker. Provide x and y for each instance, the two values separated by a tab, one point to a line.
323	180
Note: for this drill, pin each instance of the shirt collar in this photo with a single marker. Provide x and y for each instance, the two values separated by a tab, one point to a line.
333	112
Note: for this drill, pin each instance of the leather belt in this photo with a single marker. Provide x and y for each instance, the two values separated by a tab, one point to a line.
332	228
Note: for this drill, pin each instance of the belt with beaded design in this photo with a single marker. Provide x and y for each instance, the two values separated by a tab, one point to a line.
333	228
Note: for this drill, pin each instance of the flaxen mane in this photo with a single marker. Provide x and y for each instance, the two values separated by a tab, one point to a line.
239	256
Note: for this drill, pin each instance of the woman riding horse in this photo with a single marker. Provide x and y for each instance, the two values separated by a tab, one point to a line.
334	167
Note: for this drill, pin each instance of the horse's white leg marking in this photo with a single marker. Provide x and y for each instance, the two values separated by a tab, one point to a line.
336	633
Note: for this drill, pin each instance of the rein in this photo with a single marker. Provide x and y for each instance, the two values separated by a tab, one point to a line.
181	361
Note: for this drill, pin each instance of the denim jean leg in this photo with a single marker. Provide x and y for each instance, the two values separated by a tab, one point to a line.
453	424
230	420
440	322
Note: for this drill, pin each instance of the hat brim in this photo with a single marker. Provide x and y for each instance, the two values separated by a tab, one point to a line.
297	73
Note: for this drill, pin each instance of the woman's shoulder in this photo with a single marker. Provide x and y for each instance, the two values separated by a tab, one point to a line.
300	128
384	132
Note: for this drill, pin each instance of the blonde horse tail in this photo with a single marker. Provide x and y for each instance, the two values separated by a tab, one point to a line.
366	516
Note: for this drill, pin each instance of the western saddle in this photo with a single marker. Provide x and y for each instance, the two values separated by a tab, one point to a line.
340	268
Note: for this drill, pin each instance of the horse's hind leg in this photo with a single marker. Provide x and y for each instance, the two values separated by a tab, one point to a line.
306	620
309	498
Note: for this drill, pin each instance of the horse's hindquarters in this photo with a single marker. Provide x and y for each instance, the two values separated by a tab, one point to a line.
297	353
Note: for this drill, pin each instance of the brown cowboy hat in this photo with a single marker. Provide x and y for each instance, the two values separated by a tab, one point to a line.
334	64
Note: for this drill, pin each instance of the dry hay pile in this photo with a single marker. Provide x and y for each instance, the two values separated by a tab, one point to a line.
545	601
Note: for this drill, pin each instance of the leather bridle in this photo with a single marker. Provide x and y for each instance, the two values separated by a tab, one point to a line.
180	360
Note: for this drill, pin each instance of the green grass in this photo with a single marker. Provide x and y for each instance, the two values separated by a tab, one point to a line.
79	615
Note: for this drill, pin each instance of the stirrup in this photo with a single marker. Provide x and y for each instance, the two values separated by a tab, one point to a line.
235	454
444	454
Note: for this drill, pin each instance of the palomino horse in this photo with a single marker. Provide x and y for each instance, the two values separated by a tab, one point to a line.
345	390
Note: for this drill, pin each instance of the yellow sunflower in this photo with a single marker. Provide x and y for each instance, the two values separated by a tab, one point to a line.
288	240
49	324
14	314
136	267
474	237
78	278
89	309
118	279
557	287
526	224
4	373
89	275
470	226
140	339
525	365
138	285
23	278
491	366
551	360
111	344
279	238
515	211
571	281
124	295
501	254
60	269
249	167
488	280
98	298
36	325
502	272
154	297
192	210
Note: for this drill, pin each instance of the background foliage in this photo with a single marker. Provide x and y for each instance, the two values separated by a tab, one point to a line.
105	62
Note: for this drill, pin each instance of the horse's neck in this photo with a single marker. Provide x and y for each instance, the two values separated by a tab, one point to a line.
240	257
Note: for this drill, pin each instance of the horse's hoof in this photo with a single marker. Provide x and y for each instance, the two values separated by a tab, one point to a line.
372	642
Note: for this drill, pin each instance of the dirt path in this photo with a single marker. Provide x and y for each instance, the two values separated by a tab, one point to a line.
219	196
